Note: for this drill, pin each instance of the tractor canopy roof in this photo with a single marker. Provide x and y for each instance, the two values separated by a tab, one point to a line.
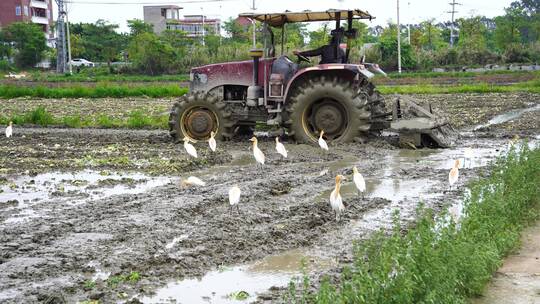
279	19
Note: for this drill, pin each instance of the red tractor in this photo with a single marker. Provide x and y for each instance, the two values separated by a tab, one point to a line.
336	97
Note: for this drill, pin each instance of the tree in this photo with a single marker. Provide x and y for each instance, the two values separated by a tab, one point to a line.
388	49
137	26
236	31
150	54
100	41
430	38
472	33
29	42
77	46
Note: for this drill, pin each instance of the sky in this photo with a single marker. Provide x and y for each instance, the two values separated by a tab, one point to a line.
411	11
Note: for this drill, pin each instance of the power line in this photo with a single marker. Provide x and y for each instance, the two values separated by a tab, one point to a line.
453	12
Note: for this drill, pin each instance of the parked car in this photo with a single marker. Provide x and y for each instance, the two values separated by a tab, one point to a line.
79	62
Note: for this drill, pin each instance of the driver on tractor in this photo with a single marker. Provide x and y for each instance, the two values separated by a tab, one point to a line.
331	53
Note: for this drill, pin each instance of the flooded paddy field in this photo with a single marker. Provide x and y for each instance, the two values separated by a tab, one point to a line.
90	214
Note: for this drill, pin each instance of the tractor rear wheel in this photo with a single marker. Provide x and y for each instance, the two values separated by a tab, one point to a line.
331	105
197	114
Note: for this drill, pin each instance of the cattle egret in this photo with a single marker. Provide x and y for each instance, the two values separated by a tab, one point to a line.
454	174
468	155
234	196
280	148
359	181
512	143
190	149
9	130
259	155
335	198
212	141
193	181
322	142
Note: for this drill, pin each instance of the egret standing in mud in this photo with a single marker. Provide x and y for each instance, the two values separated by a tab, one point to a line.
468	155
336	202
9	130
280	148
190	149
193	181
234	197
454	174
257	153
359	181
212	141
322	142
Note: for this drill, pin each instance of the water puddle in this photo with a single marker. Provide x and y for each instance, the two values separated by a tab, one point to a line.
75	188
218	286
505	117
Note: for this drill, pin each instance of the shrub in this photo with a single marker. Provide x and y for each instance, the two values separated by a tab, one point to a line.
40	116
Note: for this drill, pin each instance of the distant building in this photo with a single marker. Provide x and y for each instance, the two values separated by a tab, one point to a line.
35	11
161	17
193	25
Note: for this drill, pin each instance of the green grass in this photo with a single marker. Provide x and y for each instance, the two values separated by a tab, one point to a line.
88	76
135	120
395	75
132	277
529	86
441	263
99	91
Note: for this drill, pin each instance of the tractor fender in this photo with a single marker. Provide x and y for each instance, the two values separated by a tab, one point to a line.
348	72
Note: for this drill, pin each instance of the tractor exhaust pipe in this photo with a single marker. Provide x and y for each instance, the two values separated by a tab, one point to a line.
254	91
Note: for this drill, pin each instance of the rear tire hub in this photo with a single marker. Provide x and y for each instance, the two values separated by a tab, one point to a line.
199	122
330	116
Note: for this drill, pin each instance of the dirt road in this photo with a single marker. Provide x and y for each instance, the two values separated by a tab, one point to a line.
90	214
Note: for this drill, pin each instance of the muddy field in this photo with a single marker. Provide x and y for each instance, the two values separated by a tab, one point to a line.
88	214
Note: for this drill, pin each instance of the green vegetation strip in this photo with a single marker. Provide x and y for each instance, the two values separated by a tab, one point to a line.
100	91
438	261
42	77
529	86
136	119
395	75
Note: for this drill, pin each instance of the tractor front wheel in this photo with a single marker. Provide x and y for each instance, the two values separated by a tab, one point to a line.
196	115
329	105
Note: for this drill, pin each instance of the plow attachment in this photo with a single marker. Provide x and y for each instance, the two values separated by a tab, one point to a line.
418	126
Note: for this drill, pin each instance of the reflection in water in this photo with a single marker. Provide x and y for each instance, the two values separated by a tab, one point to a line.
502	118
254	278
76	188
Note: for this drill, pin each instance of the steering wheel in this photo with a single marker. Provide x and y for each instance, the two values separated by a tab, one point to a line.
302	58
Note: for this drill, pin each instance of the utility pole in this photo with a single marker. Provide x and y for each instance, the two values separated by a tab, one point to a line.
68	44
453	12
203	30
61	57
398	40
254	27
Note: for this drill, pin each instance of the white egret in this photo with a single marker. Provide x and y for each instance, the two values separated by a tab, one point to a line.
190	149
336	202
193	181
212	141
359	181
9	130
322	142
454	174
259	155
234	196
468	155
280	148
